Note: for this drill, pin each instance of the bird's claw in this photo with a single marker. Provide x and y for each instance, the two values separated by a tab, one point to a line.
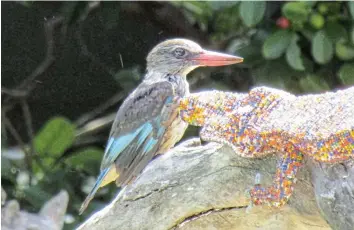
193	142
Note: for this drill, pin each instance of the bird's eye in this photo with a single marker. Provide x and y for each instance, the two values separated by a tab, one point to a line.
179	52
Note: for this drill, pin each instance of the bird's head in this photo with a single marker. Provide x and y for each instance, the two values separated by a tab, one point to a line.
180	56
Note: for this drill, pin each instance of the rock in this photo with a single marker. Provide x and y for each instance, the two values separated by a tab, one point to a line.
334	190
203	187
51	216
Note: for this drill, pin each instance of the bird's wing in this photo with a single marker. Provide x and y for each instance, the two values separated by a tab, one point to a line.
136	133
138	129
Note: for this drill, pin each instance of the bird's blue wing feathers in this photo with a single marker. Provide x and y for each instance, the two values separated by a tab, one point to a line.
116	145
135	146
138	144
133	150
136	133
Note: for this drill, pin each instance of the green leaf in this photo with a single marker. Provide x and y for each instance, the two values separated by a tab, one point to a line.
276	44
335	31
252	12
317	21
55	137
196	12
8	170
297	12
322	8
250	50
36	196
322	48
197	7
308	64
275	73
344	51
293	54
87	159
351	8
128	78
313	83
251	54
308	32
226	20
217	5
310	3
346	73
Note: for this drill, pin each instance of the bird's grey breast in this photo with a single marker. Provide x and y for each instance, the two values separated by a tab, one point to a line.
179	84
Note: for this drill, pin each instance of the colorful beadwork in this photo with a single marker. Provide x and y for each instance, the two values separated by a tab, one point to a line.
267	120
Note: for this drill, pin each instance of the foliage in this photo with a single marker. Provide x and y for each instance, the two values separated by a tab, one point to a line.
297	46
55	166
312	37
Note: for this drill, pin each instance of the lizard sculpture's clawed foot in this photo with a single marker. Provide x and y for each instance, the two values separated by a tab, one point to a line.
270	196
250	193
258	194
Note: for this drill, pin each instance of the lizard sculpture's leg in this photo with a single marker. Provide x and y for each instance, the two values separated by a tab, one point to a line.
285	177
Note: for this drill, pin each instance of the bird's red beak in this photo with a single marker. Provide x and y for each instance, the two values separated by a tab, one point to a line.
210	58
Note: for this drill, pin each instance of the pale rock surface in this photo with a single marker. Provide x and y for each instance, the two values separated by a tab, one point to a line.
50	217
203	187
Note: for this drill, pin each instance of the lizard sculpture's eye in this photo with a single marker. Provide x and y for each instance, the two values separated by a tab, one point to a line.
180	53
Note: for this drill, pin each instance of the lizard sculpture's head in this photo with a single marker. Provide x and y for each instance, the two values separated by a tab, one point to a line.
180	56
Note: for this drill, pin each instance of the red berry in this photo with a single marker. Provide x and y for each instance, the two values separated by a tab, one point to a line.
283	23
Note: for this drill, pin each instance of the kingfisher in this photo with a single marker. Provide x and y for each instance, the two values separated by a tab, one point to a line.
147	123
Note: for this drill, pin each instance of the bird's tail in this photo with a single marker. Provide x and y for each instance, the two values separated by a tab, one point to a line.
106	176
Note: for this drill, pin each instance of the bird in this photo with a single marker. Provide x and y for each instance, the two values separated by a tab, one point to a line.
147	122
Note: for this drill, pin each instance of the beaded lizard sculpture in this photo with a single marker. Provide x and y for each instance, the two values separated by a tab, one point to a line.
268	120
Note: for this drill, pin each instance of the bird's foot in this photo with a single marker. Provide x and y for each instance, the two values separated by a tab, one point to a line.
193	142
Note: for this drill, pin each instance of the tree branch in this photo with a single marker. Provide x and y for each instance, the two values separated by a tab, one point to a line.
27	84
28	121
95	125
19	140
100	109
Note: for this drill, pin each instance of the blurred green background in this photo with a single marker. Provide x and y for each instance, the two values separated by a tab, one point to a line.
67	66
